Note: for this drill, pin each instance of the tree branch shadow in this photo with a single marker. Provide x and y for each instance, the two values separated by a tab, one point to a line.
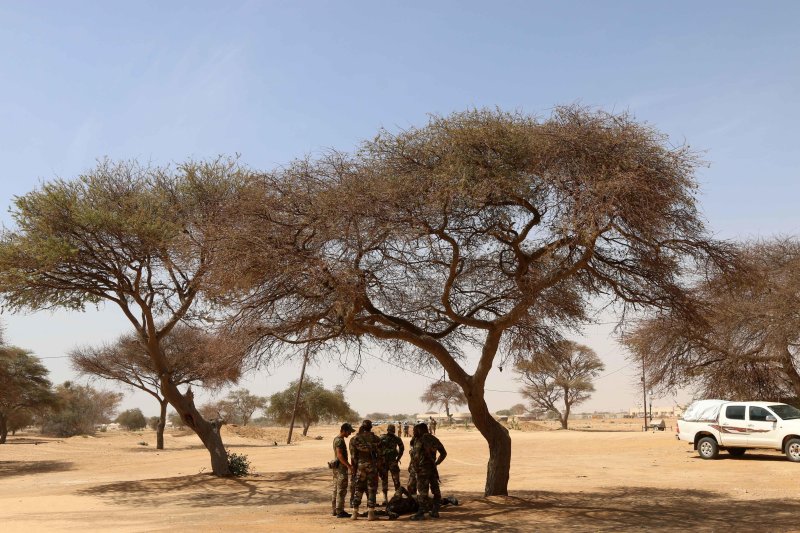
203	490
25	468
619	509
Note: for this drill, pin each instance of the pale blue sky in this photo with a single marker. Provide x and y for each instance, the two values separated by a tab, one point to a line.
164	81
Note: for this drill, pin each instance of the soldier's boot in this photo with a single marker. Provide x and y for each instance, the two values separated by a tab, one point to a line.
355	514
419	516
435	510
371	516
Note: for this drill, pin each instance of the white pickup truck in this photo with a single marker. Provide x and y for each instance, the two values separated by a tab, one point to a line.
714	425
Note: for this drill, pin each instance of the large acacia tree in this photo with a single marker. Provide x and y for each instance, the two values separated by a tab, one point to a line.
191	356
559	377
747	343
447	242
140	238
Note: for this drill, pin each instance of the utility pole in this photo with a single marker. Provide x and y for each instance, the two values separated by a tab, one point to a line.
644	397
297	398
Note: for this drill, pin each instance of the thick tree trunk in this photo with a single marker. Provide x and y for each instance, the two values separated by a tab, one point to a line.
499	441
162	423
306	425
3	429
208	431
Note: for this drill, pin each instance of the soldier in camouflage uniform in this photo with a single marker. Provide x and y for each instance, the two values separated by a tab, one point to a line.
391	449
366	447
412	473
340	471
426	447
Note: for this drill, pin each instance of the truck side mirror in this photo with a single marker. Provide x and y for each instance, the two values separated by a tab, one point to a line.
771	418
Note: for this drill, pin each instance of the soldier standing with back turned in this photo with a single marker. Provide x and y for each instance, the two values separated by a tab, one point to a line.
366	449
392	449
425	450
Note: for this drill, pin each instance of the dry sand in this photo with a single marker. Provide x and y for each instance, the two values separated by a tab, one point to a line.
593	478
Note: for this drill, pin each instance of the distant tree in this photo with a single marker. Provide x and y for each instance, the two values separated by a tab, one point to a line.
80	409
377	416
191	357
503	412
745	345
242	405
561	374
176	420
316	404
518	409
132	419
24	388
401	416
444	394
154	422
142	238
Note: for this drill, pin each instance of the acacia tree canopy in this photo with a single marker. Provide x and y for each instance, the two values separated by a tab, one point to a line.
482	230
745	346
560	375
139	237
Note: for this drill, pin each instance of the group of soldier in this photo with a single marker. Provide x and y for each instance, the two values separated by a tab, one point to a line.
373	458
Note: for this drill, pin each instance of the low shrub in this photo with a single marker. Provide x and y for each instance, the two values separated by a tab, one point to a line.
238	464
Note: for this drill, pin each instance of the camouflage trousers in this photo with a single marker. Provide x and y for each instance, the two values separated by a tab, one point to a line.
340	476
366	481
394	468
412	480
427	478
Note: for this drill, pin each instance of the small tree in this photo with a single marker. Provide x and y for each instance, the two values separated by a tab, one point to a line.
518	409
154	423
560	375
80	409
316	404
444	394
24	388
191	356
377	416
132	419
241	405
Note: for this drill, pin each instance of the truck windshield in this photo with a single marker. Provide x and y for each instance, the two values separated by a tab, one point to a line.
785	412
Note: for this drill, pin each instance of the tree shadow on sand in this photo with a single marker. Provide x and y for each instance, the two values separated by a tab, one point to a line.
620	509
205	490
24	468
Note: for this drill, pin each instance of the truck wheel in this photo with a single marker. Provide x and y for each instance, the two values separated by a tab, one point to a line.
708	449
736	452
792	450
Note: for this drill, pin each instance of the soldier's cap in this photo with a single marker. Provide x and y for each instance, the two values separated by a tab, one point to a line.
347	427
390	428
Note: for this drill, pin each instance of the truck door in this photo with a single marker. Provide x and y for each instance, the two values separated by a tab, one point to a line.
760	432
733	426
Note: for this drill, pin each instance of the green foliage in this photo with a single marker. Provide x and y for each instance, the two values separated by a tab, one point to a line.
238	464
153	422
24	389
81	408
132	419
504	412
316	404
176	420
377	416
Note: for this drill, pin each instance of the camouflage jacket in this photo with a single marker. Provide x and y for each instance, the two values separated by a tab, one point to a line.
391	447
338	442
365	447
425	449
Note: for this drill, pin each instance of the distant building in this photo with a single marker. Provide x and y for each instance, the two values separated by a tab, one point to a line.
671	411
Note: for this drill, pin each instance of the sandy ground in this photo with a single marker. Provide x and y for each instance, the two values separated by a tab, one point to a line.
593	478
